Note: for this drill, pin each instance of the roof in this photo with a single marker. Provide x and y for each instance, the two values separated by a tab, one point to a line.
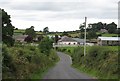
20	37
78	40
109	38
66	39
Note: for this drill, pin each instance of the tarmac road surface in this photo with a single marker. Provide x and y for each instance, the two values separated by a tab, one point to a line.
63	70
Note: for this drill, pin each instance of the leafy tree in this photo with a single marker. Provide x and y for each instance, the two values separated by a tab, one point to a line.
16	28
82	27
111	27
82	35
96	26
40	38
118	31
30	32
56	38
91	35
46	30
46	45
100	26
7	29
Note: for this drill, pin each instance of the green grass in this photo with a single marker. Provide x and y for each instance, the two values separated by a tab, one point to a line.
93	73
109	35
69	50
75	34
39	33
41	73
16	34
102	68
19	31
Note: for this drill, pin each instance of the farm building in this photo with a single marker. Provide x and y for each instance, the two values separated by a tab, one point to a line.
20	38
79	41
67	41
108	41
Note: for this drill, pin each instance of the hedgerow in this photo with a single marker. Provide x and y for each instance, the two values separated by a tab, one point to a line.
21	62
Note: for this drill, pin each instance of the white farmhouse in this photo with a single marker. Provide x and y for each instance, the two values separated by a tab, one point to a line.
108	41
67	41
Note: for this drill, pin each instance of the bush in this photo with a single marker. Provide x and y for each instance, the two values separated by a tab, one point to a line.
23	62
46	45
103	60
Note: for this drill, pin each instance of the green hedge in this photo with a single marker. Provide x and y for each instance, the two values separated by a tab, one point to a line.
21	62
100	61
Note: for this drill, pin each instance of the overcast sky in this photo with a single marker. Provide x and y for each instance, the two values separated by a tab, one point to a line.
59	15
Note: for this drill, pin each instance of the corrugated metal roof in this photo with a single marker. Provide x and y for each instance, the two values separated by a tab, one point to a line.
79	40
109	38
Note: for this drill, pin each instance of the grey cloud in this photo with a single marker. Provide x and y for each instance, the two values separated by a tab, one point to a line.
49	6
63	10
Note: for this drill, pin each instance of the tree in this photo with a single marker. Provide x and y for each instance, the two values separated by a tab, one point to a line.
82	35
100	26
118	31
40	38
91	35
46	45
30	32
46	30
65	33
82	27
96	26
56	38
7	29
112	27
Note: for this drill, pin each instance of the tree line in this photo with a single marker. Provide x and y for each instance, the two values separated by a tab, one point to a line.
8	30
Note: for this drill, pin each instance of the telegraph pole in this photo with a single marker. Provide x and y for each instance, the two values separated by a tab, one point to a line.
85	36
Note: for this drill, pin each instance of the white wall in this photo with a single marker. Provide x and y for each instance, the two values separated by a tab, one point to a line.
67	43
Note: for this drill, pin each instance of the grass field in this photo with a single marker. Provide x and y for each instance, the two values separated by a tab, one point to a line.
109	35
19	31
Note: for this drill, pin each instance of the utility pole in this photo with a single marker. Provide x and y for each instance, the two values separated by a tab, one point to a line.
85	36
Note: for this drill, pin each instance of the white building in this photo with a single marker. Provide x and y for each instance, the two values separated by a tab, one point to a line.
20	38
67	41
108	41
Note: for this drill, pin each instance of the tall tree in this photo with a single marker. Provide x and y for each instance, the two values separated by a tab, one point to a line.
46	30
81	27
100	26
91	35
96	26
30	32
56	38
112	27
46	45
7	29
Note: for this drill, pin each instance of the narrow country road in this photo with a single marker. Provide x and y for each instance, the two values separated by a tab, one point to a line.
63	70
